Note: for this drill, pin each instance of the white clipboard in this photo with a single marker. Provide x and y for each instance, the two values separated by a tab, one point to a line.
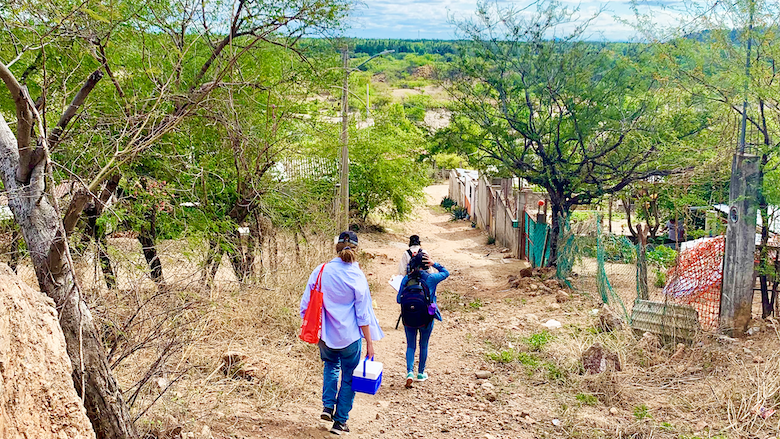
395	282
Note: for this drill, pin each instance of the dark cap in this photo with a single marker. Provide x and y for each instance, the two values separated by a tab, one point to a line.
414	240
348	237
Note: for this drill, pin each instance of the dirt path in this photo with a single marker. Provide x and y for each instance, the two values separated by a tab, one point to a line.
453	403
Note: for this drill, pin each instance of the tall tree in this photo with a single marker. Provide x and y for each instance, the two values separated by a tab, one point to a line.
727	56
572	117
171	56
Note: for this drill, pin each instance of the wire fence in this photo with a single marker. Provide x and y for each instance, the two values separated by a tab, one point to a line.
651	286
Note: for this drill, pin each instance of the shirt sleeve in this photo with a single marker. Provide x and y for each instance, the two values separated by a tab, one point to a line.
362	302
398	296
442	273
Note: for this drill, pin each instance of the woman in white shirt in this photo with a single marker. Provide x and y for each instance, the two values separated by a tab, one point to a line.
347	316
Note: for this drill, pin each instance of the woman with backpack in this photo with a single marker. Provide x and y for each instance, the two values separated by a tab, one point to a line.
417	297
347	316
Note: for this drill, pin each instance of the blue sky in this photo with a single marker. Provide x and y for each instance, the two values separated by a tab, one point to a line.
429	19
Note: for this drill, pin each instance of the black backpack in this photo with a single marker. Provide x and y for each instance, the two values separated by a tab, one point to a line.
415	299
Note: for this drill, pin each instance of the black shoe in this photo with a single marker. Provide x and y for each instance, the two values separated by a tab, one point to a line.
327	414
339	428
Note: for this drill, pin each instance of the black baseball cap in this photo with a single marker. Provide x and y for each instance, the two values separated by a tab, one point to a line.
349	237
414	240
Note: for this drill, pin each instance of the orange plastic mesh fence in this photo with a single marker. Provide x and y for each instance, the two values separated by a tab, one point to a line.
696	279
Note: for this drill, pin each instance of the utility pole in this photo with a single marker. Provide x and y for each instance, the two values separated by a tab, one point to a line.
344	204
343	208
736	297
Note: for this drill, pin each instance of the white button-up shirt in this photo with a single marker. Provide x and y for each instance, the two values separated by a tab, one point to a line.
346	302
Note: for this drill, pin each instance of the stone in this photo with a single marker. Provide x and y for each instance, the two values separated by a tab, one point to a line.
37	396
526	272
552	324
487	386
613	411
608	320
484	374
679	352
162	383
758	359
561	296
597	358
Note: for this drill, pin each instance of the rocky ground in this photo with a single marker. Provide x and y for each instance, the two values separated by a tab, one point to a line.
466	395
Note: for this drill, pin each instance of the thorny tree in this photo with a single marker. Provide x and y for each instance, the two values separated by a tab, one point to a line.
181	80
576	118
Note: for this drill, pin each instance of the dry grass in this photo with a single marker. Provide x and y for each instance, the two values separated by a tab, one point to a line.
167	345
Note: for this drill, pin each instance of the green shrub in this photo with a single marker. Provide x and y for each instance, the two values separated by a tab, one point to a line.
506	356
642	412
587	399
660	278
447	203
459	213
662	256
537	341
491	240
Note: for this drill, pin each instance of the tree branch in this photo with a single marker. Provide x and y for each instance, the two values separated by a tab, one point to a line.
24	123
78	100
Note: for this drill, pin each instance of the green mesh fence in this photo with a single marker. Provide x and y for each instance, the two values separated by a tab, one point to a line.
593	262
537	245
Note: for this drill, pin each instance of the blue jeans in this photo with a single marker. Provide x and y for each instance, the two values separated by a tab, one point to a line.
339	360
411	344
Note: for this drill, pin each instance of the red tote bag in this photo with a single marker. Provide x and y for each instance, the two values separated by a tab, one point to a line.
312	318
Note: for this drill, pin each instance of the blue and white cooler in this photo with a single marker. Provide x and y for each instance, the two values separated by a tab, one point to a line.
367	376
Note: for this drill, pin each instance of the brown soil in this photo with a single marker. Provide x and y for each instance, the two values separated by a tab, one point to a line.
477	302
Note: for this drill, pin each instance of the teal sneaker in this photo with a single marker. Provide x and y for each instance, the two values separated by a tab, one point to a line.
409	379
422	376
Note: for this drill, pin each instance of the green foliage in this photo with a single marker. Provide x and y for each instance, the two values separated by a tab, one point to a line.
475	304
491	240
446	160
385	178
662	256
504	357
617	248
539	340
642	412
587	399
660	278
555	373
459	213
447	203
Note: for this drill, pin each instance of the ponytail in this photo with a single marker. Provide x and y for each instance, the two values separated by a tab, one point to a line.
347	252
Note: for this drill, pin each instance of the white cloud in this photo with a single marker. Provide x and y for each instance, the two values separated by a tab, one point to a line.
431	19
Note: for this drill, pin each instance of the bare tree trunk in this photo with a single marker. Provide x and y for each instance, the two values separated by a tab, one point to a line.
211	264
147	237
641	264
44	235
15	252
241	259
